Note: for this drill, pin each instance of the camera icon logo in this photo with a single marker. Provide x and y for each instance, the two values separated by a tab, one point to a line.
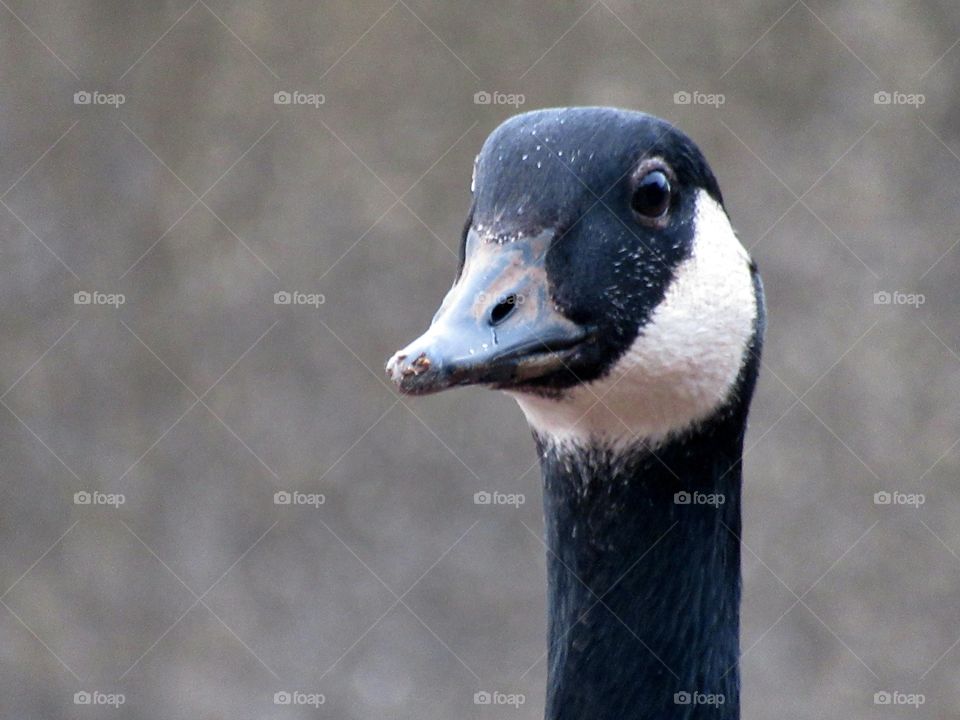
82	498
82	697
482	698
882	297
82	298
882	498
282	298
682	97
682	698
682	498
882	698
482	498
282	97
82	97
282	497
282	697
882	97
482	97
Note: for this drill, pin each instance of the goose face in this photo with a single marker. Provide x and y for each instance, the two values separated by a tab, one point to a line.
585	224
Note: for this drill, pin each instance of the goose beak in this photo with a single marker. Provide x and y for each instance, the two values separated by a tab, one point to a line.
497	326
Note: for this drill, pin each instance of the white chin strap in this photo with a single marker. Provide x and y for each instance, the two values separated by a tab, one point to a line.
685	362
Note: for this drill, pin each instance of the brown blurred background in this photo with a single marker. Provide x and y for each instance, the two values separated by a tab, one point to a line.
200	197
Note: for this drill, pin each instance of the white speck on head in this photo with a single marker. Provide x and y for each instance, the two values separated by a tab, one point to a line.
685	361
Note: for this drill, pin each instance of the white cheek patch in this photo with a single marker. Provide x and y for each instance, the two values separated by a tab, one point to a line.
685	362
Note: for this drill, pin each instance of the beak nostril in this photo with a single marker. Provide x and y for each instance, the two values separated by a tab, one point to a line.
502	310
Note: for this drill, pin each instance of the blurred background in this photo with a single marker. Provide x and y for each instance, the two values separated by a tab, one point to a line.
169	167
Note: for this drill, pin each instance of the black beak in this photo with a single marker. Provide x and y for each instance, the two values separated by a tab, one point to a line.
497	326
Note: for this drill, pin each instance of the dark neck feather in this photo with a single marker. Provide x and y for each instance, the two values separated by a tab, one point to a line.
644	591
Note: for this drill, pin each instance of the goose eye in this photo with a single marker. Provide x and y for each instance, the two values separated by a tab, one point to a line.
651	199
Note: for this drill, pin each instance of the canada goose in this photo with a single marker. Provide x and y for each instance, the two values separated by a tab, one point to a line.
602	286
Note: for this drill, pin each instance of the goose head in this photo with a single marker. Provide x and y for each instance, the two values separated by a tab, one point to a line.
600	282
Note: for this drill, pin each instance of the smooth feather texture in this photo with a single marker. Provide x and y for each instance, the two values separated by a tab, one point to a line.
644	591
